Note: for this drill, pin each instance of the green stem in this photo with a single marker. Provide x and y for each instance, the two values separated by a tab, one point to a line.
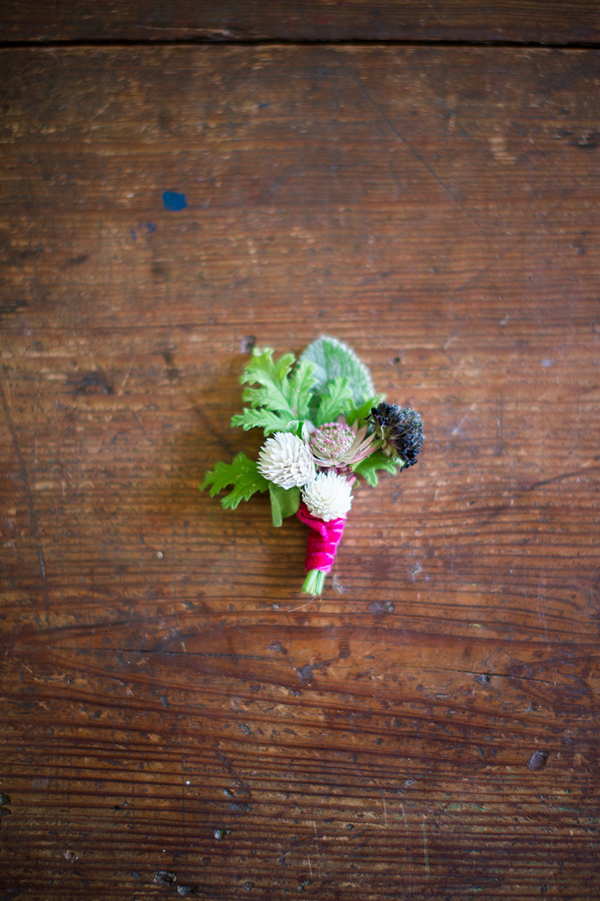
314	582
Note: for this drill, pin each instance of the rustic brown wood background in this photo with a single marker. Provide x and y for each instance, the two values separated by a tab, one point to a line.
173	720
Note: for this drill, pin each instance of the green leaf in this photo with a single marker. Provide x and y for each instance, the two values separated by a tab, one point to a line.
262	419
336	400
301	387
284	502
242	473
378	460
333	358
358	414
282	397
271	375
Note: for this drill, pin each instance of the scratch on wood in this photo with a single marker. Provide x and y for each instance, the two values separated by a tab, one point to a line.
415	152
314	822
565	475
410	847
426	849
33	520
143	758
238	781
125	380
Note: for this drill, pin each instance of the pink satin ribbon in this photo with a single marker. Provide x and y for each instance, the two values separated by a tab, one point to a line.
322	541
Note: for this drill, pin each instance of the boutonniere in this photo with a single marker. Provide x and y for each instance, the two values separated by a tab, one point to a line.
325	427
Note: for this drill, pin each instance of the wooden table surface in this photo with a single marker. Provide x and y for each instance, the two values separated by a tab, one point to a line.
175	718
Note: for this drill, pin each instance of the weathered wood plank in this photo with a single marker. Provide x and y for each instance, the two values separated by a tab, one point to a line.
522	21
165	706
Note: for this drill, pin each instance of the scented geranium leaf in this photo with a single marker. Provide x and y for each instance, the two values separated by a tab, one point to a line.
284	502
262	419
368	468
281	392
272	376
359	414
336	400
333	358
301	387
242	473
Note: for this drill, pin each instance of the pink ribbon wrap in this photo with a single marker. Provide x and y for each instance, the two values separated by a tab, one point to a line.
323	540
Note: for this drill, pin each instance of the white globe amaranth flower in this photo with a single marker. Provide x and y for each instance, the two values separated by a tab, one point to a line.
286	460
329	496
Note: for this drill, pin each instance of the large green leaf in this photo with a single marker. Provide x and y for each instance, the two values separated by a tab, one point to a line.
332	359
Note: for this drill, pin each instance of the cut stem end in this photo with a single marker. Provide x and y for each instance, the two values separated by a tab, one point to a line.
314	582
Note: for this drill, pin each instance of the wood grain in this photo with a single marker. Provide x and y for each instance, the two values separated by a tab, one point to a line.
172	708
521	21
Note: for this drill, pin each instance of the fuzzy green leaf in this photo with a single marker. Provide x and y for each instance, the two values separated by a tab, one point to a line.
368	468
242	473
284	502
336	400
333	358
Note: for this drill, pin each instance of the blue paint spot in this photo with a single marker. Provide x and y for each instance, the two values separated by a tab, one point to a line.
546	363
133	234
263	105
174	202
152	227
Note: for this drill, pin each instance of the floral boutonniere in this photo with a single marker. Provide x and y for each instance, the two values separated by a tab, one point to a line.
325	427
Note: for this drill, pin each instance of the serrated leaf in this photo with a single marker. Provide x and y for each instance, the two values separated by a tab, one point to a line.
284	502
336	400
282	397
272	376
301	386
333	358
368	468
242	473
262	419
